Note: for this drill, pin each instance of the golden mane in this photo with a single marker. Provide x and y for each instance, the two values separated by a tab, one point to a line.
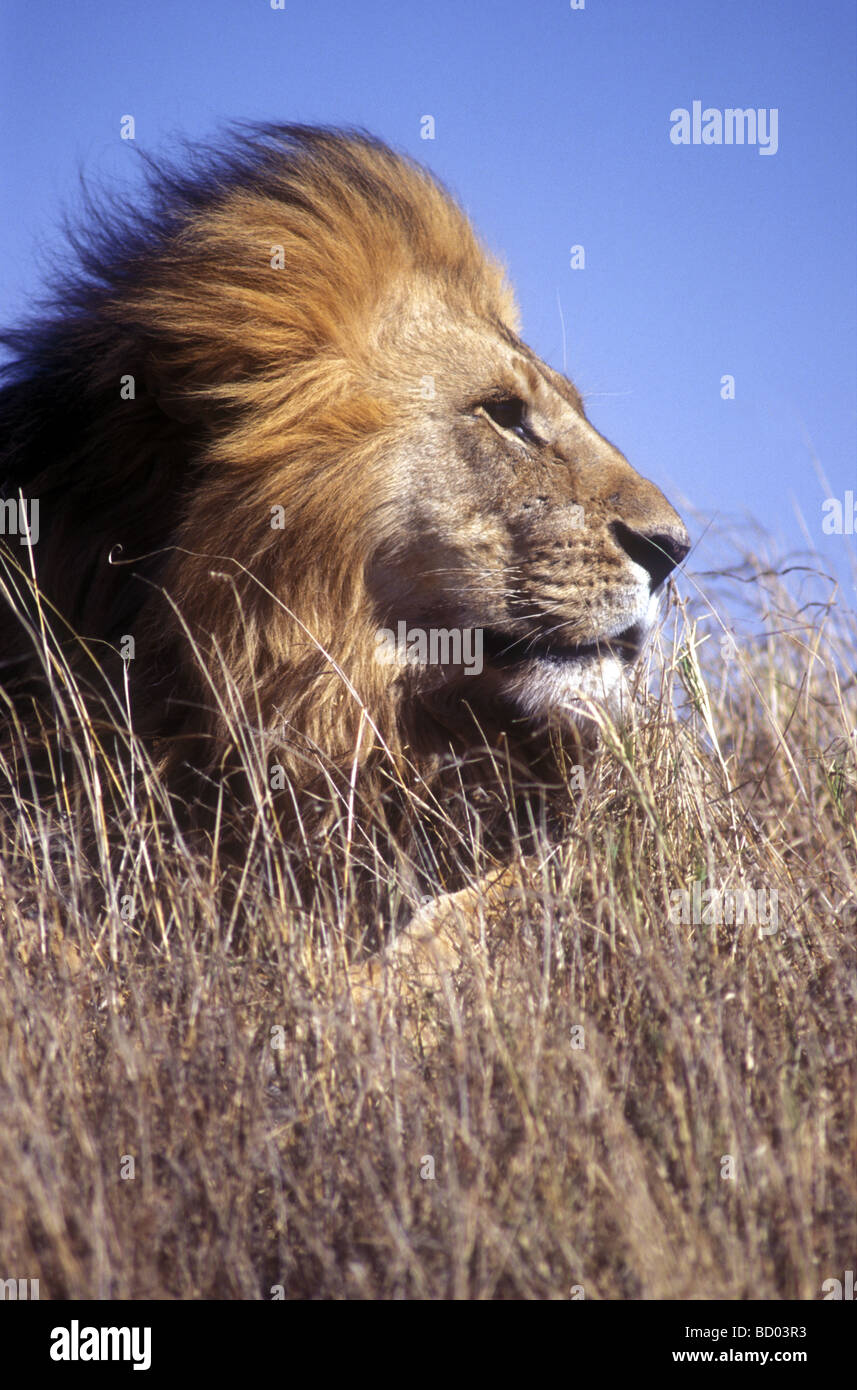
242	471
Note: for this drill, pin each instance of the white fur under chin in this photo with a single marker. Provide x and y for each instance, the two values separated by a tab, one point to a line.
544	690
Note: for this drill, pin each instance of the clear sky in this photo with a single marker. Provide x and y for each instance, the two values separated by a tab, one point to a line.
552	125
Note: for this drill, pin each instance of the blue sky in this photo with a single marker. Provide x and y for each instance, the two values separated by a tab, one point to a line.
552	125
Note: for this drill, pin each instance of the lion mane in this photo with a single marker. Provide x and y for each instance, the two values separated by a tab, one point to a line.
214	416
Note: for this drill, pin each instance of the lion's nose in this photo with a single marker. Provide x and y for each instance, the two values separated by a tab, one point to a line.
658	550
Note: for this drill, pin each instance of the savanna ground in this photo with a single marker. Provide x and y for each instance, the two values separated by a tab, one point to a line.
617	1103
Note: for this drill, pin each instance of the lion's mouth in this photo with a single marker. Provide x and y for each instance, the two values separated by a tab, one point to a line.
506	650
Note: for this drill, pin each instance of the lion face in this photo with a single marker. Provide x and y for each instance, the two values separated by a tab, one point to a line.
519	527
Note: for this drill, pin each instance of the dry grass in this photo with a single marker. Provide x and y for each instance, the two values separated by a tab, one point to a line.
141	1013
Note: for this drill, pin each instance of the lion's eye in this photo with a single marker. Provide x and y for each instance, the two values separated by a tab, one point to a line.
508	413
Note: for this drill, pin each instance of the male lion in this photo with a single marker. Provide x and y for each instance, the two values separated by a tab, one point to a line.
283	433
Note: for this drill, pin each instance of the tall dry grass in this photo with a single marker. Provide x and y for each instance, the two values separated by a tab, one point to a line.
611	1100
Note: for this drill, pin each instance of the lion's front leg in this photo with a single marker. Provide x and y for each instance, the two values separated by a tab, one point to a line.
453	932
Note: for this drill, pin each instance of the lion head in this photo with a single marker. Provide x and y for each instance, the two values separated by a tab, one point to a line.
284	435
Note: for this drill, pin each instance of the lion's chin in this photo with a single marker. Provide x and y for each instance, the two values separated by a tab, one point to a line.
564	691
541	685
561	685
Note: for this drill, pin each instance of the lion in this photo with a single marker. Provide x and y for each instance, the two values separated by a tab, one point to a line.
285	437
